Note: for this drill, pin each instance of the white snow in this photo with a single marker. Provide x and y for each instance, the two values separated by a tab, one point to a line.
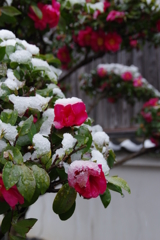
57	71
130	146
76	1
20	56
10	132
21	104
66	101
99	159
9	42
39	63
3	144
6	34
27	156
41	144
33	49
12	82
101	139
95	6
115	147
58	92
46	126
60	153
148	144
68	141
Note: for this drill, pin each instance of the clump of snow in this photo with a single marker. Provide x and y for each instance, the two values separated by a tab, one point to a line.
76	1
52	76
58	92
39	64
9	42
41	144
33	49
115	147
20	56
57	71
68	141
130	146
99	159
95	6
101	139
27	156
148	144
6	34
12	82
60	153
76	156
46	126
3	145
66	101
21	104
10	132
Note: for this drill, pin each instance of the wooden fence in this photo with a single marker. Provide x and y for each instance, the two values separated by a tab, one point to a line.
119	115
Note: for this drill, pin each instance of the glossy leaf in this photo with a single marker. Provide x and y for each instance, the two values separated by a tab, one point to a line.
22	227
11	174
106	198
15	153
10	11
26	126
64	199
119	182
9	117
6	222
84	137
111	158
114	188
4	207
65	216
2	52
37	11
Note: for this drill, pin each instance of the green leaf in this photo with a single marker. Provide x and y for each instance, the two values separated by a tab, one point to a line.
9	117
22	227
111	158
37	11
64	199
65	216
10	175
11	237
10	49
4	207
26	126
119	182
2	52
106	198
62	174
84	137
10	11
15	153
6	222
42	178
114	188
26	184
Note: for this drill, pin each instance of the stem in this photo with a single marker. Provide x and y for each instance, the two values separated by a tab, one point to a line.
85	61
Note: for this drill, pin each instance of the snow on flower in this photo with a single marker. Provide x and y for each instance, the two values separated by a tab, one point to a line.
87	178
127	76
115	16
113	42
98	40
137	82
69	112
11	196
84	37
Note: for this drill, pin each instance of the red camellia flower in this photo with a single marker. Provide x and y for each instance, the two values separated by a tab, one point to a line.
84	37
127	76
133	43
98	40
64	56
106	5
137	82
11	196
155	141
87	178
151	103
111	100
147	116
113	42
38	23
69	112
52	13
101	72
158	25
115	16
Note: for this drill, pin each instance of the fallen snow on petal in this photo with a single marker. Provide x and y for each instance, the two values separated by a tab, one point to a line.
66	101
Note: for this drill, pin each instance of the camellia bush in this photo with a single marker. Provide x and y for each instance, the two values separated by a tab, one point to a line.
47	142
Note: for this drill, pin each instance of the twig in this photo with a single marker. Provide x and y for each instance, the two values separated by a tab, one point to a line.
81	64
134	155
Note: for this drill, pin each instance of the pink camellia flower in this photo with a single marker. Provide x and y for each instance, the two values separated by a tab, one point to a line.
87	178
137	82
106	5
96	14
69	112
113	42
11	196
52	13
38	23
158	25
64	55
111	100
84	37
101	72
133	43
98	40
115	16
147	116
127	76
151	103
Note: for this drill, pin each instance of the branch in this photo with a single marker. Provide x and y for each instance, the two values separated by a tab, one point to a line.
81	64
134	155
